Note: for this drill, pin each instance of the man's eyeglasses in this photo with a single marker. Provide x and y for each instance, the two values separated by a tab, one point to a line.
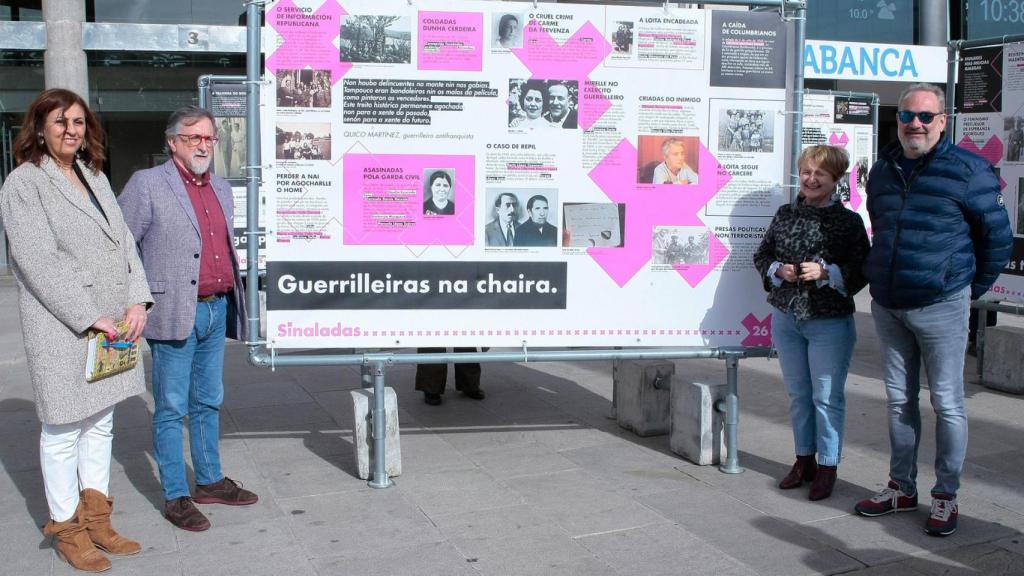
195	139
906	116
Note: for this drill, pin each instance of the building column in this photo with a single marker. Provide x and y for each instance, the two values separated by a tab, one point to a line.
64	63
933	22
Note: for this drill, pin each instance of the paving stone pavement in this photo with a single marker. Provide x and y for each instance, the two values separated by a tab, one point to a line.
533	480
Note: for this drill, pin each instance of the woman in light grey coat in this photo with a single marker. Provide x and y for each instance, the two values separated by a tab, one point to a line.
77	269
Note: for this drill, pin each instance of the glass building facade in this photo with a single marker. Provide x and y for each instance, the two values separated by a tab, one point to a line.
144	59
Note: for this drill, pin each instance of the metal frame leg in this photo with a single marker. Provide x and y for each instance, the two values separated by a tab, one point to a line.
979	344
732	416
379	478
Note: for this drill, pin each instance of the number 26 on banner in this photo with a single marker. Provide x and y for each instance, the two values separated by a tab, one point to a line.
759	331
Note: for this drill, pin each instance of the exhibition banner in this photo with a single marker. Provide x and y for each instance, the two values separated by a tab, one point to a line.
846	122
469	173
990	122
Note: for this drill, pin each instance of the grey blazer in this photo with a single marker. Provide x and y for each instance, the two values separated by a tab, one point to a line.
159	213
73	266
493	235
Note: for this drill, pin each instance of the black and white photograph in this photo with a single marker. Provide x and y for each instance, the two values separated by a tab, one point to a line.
1013	126
746	130
376	39
303	140
504	212
843	188
304	88
862	172
438	192
622	38
542	104
507	31
540	227
674	245
229	155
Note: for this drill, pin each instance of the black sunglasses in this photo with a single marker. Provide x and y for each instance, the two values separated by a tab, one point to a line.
906	116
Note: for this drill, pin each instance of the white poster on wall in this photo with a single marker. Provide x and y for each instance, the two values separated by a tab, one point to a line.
469	173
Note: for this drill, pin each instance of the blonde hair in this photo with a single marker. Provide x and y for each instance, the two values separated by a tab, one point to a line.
831	159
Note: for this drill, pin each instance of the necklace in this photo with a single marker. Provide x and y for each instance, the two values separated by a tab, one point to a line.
64	166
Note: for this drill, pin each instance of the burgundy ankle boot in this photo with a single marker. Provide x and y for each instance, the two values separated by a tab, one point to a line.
803	470
824	482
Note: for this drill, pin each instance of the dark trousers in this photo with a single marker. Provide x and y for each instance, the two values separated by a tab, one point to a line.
431	378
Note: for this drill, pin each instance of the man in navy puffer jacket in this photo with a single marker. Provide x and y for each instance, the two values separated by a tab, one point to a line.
941	236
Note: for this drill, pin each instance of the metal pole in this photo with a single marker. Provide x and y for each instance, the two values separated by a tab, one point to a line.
798	101
952	53
991	41
732	416
979	343
379	477
613	411
933	22
257	358
768	3
875	103
252	169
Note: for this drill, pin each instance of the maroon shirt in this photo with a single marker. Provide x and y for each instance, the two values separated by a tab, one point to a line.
216	275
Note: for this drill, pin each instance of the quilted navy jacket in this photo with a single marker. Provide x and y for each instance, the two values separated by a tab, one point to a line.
936	230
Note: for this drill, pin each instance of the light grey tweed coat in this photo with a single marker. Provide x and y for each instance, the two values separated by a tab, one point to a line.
72	267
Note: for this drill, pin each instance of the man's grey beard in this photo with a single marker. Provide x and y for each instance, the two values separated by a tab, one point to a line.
199	164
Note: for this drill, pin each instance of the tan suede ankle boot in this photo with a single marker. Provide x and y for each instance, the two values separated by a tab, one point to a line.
95	514
74	546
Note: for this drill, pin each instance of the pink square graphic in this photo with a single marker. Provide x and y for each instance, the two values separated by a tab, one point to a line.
451	41
385	194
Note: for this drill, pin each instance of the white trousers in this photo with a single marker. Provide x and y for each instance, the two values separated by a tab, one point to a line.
74	457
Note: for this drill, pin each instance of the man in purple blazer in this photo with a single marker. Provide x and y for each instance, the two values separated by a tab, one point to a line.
182	220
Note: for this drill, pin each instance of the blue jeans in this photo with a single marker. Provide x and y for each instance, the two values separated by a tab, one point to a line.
815	357
188	380
937	335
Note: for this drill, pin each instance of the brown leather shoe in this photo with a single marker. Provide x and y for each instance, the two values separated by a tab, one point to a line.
823	483
803	470
183	513
96	509
227	491
74	546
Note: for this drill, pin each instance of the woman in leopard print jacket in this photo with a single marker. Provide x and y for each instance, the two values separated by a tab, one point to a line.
810	262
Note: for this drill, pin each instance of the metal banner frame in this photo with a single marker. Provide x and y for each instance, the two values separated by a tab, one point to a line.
374	364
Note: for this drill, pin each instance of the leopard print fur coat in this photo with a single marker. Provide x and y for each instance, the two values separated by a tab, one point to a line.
804	233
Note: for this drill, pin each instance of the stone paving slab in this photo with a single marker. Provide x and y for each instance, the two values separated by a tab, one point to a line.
350	522
432	558
535	479
662	550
